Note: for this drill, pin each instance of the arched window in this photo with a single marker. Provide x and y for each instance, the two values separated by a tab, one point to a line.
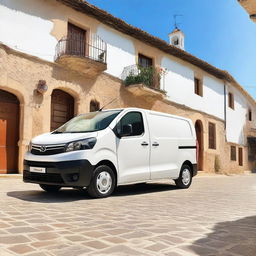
175	41
62	108
94	105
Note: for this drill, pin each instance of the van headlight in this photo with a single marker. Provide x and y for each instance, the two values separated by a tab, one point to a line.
81	144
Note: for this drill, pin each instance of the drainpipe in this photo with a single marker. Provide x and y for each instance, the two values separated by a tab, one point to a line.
225	105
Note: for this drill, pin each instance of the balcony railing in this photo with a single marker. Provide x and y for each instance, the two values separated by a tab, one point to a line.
135	74
94	48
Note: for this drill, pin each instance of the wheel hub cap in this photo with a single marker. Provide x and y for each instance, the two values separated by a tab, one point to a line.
104	182
186	176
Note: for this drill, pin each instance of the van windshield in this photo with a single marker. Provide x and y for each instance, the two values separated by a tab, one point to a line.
90	122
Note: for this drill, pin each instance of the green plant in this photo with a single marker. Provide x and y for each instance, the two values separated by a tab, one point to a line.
143	75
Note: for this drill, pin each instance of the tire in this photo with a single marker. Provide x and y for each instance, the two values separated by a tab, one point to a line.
185	179
50	188
103	182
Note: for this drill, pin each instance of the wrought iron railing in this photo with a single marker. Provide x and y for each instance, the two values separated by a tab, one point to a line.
135	74
94	48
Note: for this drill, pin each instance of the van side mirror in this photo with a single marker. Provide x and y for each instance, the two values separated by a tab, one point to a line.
127	130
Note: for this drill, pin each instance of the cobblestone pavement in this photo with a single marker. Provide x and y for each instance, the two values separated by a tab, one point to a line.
216	216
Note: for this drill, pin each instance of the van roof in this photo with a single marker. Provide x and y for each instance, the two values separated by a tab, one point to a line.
151	112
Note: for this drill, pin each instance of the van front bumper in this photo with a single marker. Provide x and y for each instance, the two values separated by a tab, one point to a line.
75	173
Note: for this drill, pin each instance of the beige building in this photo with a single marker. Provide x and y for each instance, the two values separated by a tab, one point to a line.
250	7
64	58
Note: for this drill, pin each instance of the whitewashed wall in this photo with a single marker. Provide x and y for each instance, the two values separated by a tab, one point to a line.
179	84
24	28
236	118
120	50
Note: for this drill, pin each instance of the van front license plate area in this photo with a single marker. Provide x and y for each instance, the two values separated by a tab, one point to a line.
37	169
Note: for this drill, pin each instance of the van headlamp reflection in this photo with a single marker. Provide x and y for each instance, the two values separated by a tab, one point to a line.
81	144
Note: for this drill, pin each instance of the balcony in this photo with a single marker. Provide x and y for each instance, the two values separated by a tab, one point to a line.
144	81
87	57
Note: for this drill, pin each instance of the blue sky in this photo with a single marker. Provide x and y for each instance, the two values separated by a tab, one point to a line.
217	31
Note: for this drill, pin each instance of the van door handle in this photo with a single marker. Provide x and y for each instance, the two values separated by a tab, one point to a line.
144	143
155	144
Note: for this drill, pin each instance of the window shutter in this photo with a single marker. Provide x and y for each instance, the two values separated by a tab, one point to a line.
240	156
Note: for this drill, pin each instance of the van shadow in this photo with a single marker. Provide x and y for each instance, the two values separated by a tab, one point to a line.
40	196
238	237
143	188
70	195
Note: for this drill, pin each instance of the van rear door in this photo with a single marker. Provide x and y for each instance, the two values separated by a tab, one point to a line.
164	146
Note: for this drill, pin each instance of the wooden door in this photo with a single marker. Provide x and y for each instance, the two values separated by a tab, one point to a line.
62	108
9	132
240	156
200	140
76	41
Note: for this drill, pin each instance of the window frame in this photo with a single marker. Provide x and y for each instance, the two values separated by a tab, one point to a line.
231	100
198	86
233	153
131	136
249	115
94	104
140	55
210	145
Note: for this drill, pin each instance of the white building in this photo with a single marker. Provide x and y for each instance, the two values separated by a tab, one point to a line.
74	36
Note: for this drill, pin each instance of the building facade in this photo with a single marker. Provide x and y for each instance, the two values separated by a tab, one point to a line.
61	58
250	7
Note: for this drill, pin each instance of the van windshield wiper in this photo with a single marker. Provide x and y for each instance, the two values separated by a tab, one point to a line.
56	132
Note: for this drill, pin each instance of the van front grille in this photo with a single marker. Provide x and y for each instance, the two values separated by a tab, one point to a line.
43	177
47	149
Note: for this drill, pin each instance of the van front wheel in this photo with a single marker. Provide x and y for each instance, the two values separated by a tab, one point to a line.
103	182
185	178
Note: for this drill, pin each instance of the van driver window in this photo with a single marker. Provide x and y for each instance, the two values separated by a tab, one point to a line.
135	120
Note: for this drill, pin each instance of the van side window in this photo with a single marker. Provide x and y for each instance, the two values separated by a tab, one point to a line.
136	120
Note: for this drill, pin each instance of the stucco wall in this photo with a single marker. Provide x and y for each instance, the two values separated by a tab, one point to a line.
179	84
238	117
23	26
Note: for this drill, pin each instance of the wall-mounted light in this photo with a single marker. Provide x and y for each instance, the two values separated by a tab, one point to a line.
42	86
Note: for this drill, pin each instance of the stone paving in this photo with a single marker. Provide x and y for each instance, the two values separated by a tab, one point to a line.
215	217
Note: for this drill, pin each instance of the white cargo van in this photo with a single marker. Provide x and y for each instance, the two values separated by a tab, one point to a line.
104	149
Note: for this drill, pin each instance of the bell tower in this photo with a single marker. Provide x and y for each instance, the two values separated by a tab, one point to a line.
176	38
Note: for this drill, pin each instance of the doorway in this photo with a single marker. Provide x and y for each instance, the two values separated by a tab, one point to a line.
62	108
200	140
76	41
9	132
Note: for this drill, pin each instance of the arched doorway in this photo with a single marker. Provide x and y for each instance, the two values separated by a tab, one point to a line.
94	105
62	108
9	132
200	139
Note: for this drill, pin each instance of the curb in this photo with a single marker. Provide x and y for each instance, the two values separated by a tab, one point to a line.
11	176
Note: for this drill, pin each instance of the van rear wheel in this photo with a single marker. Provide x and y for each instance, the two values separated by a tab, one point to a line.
185	178
50	188
103	182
